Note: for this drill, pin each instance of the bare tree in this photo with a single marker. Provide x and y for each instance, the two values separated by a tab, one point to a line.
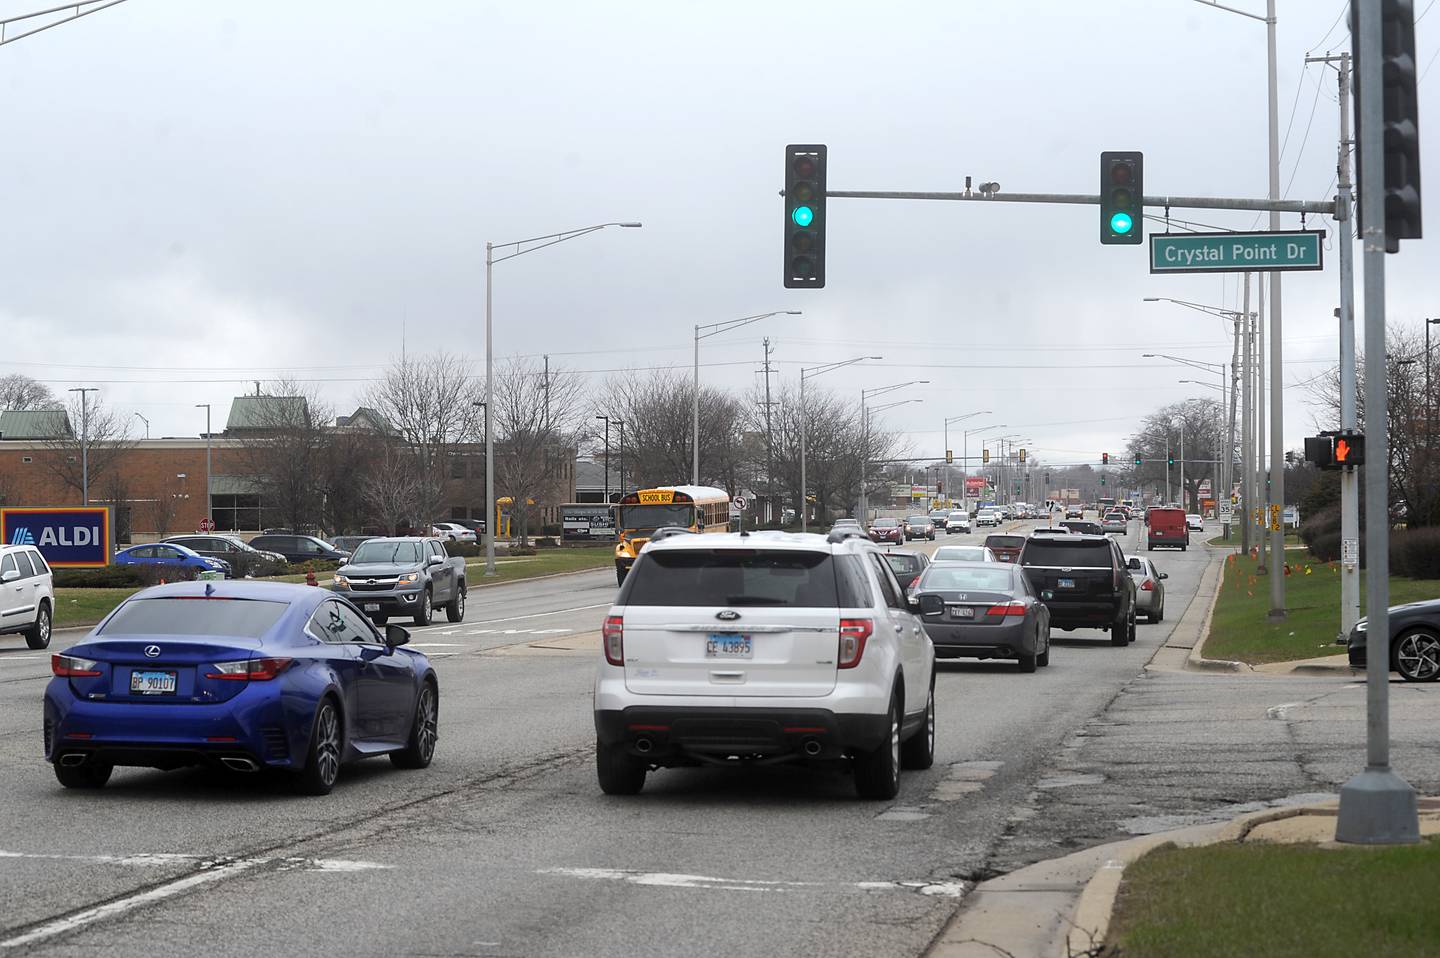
284	449
1195	430
536	433
22	392
390	487
431	401
657	409
106	437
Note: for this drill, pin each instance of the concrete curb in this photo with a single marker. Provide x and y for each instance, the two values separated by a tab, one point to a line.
1196	660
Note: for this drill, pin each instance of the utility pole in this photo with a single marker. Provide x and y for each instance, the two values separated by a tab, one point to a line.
769	439
84	392
1277	370
209	509
607	457
1349	480
1262	479
546	420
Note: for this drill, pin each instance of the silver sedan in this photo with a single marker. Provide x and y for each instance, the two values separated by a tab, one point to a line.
1149	588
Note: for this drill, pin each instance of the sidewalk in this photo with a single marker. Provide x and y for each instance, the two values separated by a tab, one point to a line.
1063	907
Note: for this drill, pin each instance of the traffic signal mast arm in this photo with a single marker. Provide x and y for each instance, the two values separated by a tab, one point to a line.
1323	207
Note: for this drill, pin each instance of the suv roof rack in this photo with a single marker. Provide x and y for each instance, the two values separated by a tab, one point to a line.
845	532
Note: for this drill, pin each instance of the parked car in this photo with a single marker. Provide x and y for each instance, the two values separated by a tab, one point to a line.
984	611
957	522
729	649
1167	528
170	555
1084	581
1414	641
1005	546
907	566
1149	588
940	518
963	554
404	576
280	677
298	548
1115	521
244	559
1194	523
452	531
887	530
476	526
348	543
27	595
919	527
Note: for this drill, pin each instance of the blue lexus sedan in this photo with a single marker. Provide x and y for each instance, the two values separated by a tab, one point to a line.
172	555
242	675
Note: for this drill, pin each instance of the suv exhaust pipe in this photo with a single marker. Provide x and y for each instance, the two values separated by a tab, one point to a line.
644	746
236	764
73	759
812	747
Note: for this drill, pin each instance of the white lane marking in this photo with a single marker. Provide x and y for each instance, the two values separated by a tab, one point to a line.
210	870
943	889
539	615
436	645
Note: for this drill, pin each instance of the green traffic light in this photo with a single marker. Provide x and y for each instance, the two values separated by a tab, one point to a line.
803	216
1120	223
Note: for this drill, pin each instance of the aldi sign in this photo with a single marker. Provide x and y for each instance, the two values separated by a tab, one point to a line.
68	537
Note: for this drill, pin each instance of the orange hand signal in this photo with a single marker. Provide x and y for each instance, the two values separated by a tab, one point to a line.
1342	451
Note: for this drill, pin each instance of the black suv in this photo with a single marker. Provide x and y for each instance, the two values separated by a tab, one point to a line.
1083	581
298	548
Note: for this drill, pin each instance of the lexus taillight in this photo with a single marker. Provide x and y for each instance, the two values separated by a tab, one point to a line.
1009	608
613	632
249	670
853	633
1147	586
73	667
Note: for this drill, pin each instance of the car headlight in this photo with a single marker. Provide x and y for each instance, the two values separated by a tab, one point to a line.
1362	625
409	578
341	582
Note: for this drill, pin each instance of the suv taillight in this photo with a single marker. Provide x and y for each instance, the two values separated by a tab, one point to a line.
1148	585
853	633
613	632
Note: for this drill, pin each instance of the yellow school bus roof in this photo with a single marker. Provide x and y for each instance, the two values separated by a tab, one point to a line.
666	494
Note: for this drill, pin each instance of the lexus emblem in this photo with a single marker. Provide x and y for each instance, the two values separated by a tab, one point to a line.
152	651
727	615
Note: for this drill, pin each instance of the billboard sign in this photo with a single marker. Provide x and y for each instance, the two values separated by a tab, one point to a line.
975	484
587	522
71	537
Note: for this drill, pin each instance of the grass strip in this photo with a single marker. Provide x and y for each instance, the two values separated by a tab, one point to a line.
1240	630
1280	901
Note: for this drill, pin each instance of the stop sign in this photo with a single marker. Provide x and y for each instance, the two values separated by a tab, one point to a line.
207	524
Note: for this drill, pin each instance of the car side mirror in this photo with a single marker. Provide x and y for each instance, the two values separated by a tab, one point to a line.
931	604
435	560
9	575
396	636
1164	575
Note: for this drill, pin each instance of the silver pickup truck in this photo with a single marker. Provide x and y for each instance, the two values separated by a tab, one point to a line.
404	576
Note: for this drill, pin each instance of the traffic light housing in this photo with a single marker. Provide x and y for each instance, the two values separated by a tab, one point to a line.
1170	460
1350	450
1102	480
1022	454
984	456
1104	458
1122	197
1400	132
1335	450
1138	460
805	216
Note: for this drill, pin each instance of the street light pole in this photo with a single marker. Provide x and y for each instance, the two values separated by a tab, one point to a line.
866	394
209	508
521	248
949	455
84	392
715	329
607	457
809	372
146	422
621	424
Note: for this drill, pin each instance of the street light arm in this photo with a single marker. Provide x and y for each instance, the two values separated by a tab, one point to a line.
882	390
892	405
724	327
40	13
969	415
552	239
1217	368
1212	310
811	372
1243	13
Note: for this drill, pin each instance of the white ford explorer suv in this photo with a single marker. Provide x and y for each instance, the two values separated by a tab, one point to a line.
731	648
27	594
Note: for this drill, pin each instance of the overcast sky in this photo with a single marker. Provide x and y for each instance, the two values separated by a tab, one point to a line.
198	194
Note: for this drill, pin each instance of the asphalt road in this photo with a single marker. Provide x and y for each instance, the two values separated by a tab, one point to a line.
505	846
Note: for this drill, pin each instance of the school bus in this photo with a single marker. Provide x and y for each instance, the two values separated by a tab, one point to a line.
640	513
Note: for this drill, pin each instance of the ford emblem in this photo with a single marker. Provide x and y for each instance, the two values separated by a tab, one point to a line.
152	651
727	615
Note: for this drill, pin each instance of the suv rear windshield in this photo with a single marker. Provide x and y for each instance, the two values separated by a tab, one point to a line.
1093	553
1005	542
735	577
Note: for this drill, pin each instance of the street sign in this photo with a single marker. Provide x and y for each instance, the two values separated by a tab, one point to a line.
1264	251
1227	510
206	525
740	503
1349	553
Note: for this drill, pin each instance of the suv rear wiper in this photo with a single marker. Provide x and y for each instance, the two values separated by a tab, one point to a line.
753	600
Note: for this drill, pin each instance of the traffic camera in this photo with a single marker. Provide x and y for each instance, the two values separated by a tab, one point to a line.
1122	197
805	216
